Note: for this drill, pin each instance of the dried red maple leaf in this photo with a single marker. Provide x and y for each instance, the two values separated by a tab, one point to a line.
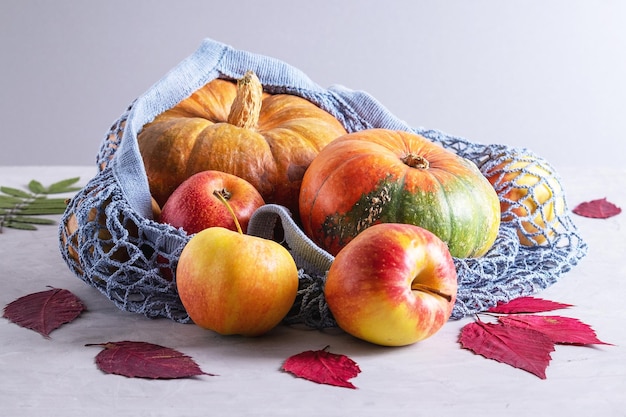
527	305
520	347
44	311
563	330
145	360
597	209
323	367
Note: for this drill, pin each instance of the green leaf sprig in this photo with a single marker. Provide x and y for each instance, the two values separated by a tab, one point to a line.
19	208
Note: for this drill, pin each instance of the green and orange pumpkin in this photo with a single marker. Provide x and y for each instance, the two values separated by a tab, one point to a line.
385	176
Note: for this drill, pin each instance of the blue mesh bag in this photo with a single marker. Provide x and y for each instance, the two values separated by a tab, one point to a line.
109	239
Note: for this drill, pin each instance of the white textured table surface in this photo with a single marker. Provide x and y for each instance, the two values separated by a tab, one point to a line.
58	377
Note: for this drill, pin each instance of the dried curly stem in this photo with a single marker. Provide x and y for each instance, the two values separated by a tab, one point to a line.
246	108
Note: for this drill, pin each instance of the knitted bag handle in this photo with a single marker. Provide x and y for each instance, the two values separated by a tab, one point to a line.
307	255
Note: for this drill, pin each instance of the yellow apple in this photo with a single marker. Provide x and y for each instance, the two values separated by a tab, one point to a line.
234	283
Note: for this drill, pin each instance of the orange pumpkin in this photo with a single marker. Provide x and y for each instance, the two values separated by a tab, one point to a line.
267	139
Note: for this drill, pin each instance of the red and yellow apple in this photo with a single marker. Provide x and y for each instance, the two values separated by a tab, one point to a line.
234	283
392	285
193	206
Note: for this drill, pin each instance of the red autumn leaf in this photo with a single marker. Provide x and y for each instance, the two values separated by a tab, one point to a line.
522	348
145	360
527	305
563	330
323	367
44	311
597	209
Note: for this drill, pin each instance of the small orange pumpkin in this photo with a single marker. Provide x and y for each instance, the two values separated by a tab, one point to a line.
530	195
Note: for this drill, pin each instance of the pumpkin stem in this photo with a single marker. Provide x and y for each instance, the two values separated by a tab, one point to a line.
245	110
416	161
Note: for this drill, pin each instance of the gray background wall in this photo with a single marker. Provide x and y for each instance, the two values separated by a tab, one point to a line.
548	75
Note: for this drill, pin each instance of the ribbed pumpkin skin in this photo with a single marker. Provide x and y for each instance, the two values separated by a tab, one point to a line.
272	155
362	179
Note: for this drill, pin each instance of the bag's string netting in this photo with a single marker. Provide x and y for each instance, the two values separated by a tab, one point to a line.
109	240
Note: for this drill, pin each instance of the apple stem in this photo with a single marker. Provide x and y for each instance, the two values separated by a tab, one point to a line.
431	290
220	195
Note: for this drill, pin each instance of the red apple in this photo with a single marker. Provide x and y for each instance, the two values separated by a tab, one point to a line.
233	283
193	205
392	285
